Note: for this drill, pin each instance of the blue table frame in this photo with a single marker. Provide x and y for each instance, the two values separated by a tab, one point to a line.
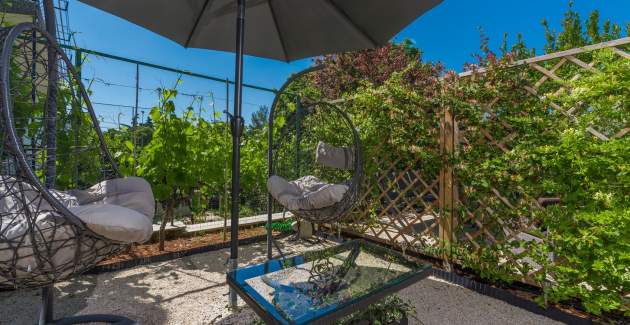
326	313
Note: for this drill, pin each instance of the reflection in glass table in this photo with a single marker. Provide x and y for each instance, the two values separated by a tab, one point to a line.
321	286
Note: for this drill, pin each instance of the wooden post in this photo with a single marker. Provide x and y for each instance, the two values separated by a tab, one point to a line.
447	185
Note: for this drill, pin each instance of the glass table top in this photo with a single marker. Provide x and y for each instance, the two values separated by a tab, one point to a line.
301	289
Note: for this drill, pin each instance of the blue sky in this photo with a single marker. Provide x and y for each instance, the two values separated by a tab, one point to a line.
448	33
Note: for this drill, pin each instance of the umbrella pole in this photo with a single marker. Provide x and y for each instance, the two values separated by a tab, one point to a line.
237	129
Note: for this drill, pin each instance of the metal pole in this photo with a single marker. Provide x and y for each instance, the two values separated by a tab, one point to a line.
298	134
134	122
214	113
298	140
46	313
34	65
237	129
50	111
78	63
34	99
225	167
269	174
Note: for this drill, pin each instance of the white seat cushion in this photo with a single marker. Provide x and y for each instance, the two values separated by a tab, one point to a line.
306	193
119	209
115	222
129	192
20	200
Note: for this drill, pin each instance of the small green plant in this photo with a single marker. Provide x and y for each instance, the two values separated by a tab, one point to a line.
390	310
283	226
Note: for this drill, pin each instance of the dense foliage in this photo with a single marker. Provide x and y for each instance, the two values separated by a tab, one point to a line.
186	159
552	155
585	251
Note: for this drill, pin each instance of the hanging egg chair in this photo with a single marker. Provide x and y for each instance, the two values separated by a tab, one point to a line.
54	223
308	197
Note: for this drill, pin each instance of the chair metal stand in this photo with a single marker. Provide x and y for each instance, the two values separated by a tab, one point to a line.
46	314
46	310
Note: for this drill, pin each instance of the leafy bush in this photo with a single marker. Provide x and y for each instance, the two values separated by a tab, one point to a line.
390	310
590	232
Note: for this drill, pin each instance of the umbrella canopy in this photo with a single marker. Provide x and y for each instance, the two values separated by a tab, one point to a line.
278	29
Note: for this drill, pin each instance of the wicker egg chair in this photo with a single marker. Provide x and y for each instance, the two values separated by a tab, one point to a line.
51	142
328	214
337	209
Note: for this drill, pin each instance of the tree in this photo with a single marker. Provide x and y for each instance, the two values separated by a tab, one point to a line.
259	117
575	34
346	72
166	161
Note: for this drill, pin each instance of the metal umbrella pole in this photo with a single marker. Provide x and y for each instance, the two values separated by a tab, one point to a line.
237	125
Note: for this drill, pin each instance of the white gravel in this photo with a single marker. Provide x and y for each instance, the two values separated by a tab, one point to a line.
192	290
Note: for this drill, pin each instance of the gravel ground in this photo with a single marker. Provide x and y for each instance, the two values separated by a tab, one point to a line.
192	290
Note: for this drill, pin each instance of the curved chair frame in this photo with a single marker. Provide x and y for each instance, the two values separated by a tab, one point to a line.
7	114
89	246
337	210
8	38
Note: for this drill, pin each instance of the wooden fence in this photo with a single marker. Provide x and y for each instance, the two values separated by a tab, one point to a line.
433	213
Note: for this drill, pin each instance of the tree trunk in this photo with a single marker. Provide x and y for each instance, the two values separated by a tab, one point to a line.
191	200
172	215
167	214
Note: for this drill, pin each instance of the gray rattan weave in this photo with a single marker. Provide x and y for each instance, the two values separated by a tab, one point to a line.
78	152
340	209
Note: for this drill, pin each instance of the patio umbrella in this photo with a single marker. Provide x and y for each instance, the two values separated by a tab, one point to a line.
278	29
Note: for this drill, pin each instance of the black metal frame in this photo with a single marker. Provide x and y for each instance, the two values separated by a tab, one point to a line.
327	214
270	166
237	125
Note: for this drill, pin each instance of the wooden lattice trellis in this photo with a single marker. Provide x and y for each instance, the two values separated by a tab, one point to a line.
399	202
406	207
481	223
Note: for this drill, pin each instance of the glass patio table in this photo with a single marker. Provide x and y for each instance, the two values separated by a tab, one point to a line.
320	286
